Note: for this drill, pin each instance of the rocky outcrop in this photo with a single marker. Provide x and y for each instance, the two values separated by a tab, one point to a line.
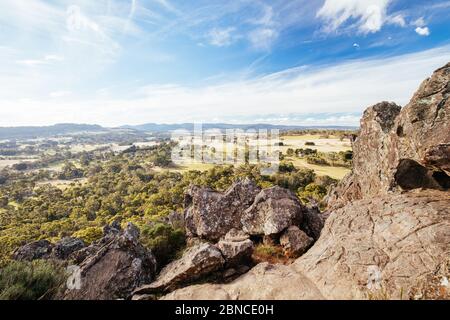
113	266
41	249
273	210
387	234
197	261
403	237
295	242
211	214
396	147
236	247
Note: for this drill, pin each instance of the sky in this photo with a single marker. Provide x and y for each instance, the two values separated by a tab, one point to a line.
302	62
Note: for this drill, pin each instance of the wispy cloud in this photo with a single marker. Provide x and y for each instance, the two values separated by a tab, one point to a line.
367	16
297	93
222	37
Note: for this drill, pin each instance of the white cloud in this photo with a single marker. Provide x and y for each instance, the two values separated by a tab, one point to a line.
423	31
420	22
398	20
262	39
222	37
370	15
345	88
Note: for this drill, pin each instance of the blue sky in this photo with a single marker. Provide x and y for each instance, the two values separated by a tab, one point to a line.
117	62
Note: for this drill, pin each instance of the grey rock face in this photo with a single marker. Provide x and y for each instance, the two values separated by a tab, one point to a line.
295	242
391	140
65	247
114	266
273	210
210	214
236	247
41	249
197	261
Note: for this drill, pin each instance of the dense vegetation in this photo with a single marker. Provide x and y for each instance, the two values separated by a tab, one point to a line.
126	188
35	280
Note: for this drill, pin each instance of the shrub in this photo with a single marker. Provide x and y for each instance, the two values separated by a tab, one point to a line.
89	234
268	253
309	143
35	280
163	240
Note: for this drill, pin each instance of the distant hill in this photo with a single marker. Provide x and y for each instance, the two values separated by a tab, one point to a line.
154	127
46	131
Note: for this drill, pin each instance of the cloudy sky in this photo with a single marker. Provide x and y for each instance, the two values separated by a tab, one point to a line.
116	62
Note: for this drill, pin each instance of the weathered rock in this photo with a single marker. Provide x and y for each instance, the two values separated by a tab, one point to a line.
273	210
236	247
295	242
41	249
115	266
65	247
417	137
386	235
403	237
313	222
197	262
263	282
210	214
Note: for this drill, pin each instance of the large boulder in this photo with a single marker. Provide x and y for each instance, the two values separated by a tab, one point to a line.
210	214
313	222
236	247
65	247
295	242
197	262
401	149
387	234
401	238
113	266
273	210
41	249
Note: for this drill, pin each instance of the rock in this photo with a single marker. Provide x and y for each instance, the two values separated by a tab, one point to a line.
403	237
313	222
114	266
41	249
273	210
65	247
197	262
236	247
210	214
263	282
387	232
295	242
396	145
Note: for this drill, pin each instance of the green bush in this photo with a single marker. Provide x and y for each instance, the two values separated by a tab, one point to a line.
163	240
89	234
34	280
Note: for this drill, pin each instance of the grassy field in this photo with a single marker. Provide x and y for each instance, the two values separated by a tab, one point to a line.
62	184
333	172
330	144
322	144
9	162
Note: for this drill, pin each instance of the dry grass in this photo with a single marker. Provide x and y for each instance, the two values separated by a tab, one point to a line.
333	172
331	144
269	253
